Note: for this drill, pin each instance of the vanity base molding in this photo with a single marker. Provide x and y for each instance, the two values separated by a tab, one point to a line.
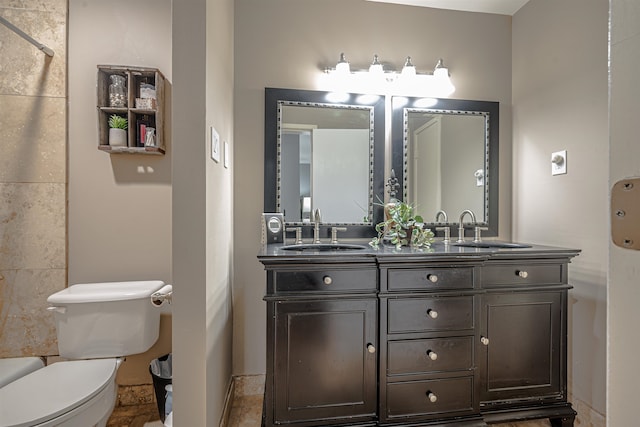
561	415
443	422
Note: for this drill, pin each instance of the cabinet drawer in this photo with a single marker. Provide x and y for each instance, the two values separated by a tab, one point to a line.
430	397
426	279
430	314
430	355
326	280
522	274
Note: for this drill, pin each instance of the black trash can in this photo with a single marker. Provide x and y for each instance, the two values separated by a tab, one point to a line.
160	370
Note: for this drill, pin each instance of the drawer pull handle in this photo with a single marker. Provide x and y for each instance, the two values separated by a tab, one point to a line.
433	278
432	313
371	348
327	280
432	355
522	273
484	340
432	397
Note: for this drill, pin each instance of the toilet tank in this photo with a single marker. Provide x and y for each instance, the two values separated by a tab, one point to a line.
112	319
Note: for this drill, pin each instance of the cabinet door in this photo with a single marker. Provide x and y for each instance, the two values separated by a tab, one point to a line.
325	359
522	347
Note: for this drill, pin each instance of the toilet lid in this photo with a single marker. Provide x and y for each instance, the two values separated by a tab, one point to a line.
54	390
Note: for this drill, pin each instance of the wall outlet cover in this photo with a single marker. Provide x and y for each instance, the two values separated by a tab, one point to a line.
215	145
559	162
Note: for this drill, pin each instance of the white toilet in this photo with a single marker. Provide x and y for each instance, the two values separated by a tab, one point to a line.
13	368
97	324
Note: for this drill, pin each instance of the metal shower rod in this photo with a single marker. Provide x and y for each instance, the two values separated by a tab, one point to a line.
26	36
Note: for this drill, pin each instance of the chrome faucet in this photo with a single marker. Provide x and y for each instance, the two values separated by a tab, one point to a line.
317	218
461	226
442	214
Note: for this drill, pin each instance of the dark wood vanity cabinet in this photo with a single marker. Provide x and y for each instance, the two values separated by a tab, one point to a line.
322	345
523	345
462	339
324	367
428	321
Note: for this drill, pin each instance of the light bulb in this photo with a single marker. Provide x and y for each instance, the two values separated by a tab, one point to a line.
409	69
342	66
376	67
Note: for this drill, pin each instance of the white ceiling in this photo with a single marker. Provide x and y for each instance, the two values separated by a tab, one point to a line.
501	7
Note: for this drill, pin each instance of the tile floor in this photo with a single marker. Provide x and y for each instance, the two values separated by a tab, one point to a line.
246	411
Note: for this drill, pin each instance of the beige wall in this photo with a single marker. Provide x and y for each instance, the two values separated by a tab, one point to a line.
560	102
624	292
33	175
202	209
283	43
119	205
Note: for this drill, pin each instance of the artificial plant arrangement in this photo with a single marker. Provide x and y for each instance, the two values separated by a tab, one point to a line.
118	131
118	122
402	227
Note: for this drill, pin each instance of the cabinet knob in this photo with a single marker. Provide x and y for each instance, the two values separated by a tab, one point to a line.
327	280
433	278
432	397
484	340
432	355
432	313
522	274
371	348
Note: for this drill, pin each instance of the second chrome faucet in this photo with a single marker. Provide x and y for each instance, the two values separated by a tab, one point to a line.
461	225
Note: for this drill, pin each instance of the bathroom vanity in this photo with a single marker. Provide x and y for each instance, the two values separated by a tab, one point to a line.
449	336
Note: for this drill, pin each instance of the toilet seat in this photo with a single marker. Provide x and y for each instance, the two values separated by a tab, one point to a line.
61	391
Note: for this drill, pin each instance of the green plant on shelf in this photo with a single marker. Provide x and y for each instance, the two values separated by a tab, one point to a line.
118	122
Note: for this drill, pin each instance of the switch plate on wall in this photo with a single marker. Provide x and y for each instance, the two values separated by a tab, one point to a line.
215	145
559	162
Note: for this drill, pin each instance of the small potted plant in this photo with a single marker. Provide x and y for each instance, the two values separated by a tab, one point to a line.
402	227
118	130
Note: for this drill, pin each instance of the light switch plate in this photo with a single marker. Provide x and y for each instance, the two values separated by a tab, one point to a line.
559	162
215	145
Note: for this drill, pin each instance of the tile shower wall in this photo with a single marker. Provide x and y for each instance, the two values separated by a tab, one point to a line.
33	260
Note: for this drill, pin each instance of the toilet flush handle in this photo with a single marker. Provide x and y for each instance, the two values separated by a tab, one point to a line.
57	309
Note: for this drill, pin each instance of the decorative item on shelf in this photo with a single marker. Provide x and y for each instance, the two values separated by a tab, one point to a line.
146	103
147	91
144	123
402	227
150	137
117	91
118	131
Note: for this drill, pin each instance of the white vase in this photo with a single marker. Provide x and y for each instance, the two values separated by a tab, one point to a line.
117	137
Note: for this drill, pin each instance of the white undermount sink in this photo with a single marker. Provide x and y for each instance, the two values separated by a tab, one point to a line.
492	244
323	247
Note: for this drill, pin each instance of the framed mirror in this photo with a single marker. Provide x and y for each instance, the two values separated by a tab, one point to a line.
324	151
445	156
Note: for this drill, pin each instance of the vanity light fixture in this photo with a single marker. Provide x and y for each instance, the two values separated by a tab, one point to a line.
378	80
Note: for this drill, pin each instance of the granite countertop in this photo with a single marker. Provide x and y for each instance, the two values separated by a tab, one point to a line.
438	250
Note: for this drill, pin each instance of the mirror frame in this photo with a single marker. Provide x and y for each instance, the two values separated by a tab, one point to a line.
273	96
459	106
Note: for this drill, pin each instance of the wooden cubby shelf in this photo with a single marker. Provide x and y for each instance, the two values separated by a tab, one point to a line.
139	118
